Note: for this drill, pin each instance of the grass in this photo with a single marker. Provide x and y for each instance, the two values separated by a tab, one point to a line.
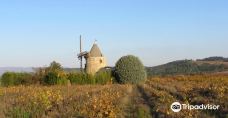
152	99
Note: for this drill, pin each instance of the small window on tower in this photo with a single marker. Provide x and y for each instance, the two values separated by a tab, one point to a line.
100	60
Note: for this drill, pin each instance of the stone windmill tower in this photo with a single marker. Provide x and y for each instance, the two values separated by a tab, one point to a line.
95	60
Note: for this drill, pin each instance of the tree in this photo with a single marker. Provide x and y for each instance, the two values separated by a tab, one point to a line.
54	74
54	67
129	69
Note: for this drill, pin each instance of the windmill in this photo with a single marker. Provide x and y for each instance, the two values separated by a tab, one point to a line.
81	54
94	59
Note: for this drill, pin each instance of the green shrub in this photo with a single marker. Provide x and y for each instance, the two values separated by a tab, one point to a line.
101	77
80	78
52	78
129	69
8	79
41	74
13	79
53	75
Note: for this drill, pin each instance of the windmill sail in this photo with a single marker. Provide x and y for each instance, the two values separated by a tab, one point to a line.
81	54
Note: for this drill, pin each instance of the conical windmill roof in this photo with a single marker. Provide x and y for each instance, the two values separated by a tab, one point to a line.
95	51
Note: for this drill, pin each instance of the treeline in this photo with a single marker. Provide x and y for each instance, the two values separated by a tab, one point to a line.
128	70
55	75
184	67
12	78
215	58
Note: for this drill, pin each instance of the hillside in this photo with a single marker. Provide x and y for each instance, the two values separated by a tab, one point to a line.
188	67
214	58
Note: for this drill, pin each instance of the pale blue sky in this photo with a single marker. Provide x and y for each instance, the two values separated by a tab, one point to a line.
36	32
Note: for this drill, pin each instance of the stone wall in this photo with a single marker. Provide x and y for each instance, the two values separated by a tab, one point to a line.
94	64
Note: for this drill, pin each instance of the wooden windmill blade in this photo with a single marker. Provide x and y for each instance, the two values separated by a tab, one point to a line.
81	54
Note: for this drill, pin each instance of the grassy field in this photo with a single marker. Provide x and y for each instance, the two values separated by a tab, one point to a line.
152	99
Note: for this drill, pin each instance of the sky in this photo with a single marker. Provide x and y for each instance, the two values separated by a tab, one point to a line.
35	32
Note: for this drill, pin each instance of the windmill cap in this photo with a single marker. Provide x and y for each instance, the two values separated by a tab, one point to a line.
95	51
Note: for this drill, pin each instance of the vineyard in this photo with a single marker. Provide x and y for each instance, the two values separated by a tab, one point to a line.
194	90
152	99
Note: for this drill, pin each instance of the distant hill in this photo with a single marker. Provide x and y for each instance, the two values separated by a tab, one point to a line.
214	58
189	67
15	69
29	69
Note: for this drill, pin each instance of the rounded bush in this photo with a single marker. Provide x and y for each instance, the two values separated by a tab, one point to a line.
129	69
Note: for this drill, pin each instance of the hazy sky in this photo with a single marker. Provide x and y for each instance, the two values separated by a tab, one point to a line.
36	32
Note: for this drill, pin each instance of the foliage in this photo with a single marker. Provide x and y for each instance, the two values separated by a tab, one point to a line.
12	79
186	67
54	67
129	69
63	101
54	74
191	89
53	78
205	67
176	67
215	58
39	74
80	78
153	98
101	77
